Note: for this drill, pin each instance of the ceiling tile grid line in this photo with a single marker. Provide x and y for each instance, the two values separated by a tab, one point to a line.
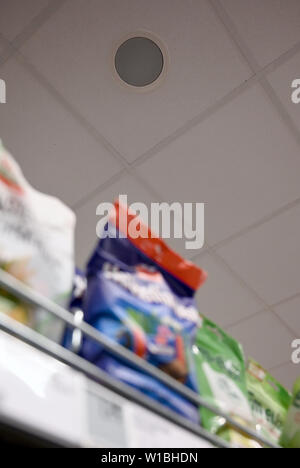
195	121
22	59
141	179
255	225
283	113
115	178
235	34
91	130
232	272
77	115
3	44
37	21
284	323
185	128
257	76
245	285
263	220
89	127
264	339
281	60
221	261
32	27
19	40
259	72
286	373
8	50
284	301
121	159
12	51
213	249
72	111
280	365
265	305
98	190
88	56
245	319
252	291
12	48
229	25
253	64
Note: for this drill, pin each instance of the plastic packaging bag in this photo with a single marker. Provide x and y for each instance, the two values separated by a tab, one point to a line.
269	402
221	373
36	246
141	295
291	432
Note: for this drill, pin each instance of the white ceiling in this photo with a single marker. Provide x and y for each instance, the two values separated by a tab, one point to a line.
220	129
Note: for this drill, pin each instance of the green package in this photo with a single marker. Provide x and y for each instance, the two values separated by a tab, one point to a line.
269	402
291	432
221	374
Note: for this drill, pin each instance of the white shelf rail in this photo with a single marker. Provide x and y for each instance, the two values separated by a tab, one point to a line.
15	287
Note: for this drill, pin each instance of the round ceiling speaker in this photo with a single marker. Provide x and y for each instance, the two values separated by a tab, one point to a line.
139	62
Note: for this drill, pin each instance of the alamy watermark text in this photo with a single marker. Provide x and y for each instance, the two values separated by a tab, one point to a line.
2	92
296	93
296	352
177	220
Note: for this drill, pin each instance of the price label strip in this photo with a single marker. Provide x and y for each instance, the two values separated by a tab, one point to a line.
39	392
114	422
48	397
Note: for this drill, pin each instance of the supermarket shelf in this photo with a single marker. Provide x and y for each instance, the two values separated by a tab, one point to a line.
84	375
60	354
17	433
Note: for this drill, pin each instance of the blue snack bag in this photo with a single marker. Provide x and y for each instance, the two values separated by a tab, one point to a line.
141	294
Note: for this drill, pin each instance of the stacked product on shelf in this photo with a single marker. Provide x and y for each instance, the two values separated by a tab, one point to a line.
141	295
36	246
137	294
291	432
269	402
221	373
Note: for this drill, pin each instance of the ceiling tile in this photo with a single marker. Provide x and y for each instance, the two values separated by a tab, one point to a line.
281	80
222	298
57	155
289	312
287	374
74	50
16	14
268	257
264	338
241	162
87	219
3	46
269	27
